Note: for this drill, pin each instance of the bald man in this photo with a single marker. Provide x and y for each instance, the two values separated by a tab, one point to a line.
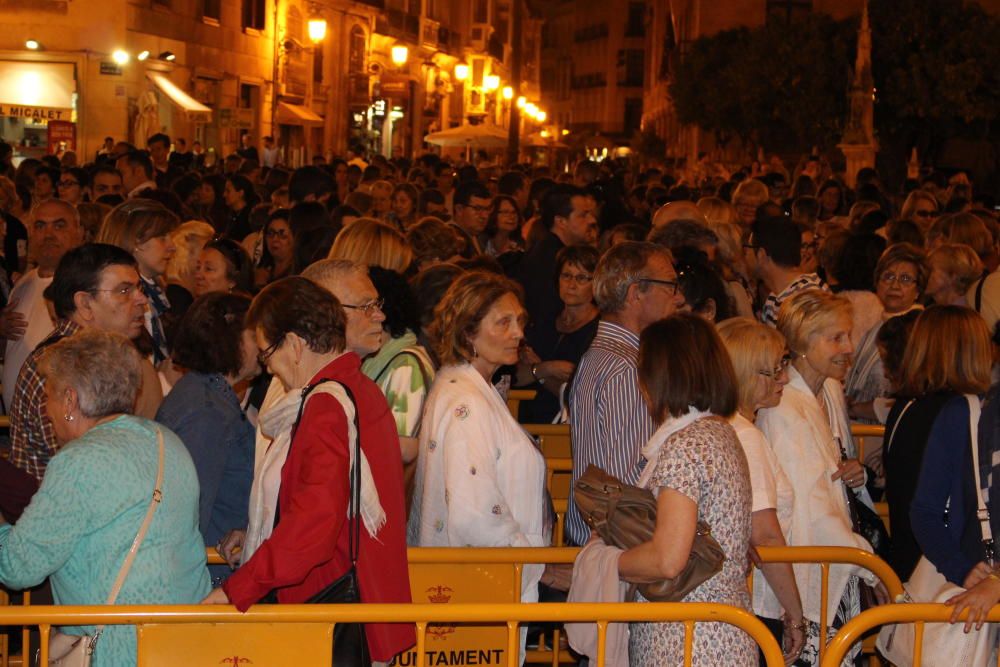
677	210
53	229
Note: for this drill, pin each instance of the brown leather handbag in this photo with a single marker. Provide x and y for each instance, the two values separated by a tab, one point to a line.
625	516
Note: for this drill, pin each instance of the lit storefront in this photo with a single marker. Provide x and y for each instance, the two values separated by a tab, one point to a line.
38	106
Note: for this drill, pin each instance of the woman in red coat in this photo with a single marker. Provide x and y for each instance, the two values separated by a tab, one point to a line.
300	330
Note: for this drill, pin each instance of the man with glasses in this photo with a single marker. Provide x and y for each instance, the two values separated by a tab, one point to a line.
96	286
774	256
53	230
634	285
472	212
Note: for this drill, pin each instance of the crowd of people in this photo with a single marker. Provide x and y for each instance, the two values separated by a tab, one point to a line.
299	336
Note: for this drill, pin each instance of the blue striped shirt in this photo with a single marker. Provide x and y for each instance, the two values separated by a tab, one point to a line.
608	417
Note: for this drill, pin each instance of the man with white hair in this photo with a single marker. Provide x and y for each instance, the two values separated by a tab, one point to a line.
678	210
53	229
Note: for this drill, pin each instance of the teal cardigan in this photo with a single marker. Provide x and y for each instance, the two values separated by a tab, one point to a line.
82	521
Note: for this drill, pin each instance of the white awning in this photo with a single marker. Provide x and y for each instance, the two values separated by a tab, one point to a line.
296	114
38	90
192	108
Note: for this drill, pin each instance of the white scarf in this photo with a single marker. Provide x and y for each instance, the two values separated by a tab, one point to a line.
276	422
651	451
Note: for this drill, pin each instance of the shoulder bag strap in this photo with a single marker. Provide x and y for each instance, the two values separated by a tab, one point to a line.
979	293
139	537
354	511
888	443
982	513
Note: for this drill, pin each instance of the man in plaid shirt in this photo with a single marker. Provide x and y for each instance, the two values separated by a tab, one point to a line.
95	286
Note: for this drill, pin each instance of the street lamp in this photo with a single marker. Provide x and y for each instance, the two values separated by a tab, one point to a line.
142	55
32	44
119	56
400	54
521	101
541	116
491	82
461	72
317	29
508	93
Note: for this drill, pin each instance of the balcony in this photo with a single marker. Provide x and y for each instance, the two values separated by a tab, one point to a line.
430	33
591	32
584	81
399	24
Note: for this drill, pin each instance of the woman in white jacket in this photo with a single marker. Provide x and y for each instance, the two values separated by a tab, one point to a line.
480	479
806	432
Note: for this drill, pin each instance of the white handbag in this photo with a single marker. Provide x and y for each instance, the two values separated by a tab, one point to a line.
944	644
77	650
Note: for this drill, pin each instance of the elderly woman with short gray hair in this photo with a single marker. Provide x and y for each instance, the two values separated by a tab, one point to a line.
79	527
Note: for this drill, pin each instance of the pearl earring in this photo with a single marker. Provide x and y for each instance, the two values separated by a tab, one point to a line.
68	418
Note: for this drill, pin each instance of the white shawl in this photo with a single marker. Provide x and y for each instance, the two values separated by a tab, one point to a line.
277	417
651	451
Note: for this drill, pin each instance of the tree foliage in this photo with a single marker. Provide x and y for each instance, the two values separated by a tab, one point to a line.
777	85
936	65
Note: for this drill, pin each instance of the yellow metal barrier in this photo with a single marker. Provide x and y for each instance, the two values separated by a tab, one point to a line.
493	575
203	626
891	613
514	398
861	432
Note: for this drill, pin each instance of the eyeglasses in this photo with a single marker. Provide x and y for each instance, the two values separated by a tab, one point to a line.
903	279
478	209
67	184
578	278
265	355
368	308
812	245
776	372
669	285
277	233
125	291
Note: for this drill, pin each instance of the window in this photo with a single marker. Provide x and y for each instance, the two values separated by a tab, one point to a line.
254	14
356	52
788	11
211	9
480	11
318	64
635	67
636	24
633	115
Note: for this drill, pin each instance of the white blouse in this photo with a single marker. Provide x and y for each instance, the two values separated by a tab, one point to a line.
480	478
804	446
771	490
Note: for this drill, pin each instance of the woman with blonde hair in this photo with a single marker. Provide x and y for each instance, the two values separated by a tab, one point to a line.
921	207
373	243
760	361
189	239
748	195
717	211
731	263
954	267
810	435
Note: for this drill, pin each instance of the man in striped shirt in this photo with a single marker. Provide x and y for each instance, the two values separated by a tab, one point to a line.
774	255
634	285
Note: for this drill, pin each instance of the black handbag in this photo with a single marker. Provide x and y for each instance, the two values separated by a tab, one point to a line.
350	645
